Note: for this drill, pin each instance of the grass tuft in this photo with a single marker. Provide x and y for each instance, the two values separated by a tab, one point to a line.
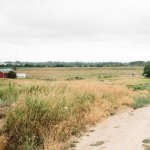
146	141
141	102
28	123
8	94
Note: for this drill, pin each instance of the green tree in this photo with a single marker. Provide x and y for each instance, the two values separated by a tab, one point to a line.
12	74
146	72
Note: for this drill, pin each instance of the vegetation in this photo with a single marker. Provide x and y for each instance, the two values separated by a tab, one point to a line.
141	102
12	74
90	73
45	114
8	94
146	143
145	86
147	71
74	78
59	110
72	64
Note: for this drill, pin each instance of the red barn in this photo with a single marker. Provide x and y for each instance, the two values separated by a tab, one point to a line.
4	72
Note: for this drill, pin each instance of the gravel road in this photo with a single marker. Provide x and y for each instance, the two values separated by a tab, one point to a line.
123	131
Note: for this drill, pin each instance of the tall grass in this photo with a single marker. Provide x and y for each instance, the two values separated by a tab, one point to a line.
47	114
8	93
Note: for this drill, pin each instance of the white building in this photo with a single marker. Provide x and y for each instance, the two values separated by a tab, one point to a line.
21	75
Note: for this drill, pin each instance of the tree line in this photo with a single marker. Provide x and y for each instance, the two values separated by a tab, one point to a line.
73	64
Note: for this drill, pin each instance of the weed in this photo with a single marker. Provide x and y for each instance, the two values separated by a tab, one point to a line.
29	144
141	102
8	94
146	144
140	87
146	141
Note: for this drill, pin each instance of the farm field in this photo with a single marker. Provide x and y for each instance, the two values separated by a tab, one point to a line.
50	106
85	73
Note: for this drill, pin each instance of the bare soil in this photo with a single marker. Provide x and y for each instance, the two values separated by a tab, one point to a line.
123	131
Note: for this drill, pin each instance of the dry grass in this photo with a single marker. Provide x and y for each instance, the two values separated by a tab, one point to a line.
47	114
86	73
64	108
3	142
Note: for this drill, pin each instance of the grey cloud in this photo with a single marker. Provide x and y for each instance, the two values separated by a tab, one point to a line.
75	30
76	18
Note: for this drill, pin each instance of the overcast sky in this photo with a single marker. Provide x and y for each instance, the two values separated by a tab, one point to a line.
74	30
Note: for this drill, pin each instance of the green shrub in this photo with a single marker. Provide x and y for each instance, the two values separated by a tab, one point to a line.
146	72
141	102
12	74
146	141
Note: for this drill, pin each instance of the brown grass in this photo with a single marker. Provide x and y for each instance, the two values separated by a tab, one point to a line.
70	105
3	142
86	73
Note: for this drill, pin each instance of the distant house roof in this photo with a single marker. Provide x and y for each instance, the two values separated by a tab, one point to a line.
6	70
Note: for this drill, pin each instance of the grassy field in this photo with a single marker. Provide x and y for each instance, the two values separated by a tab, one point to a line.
85	73
53	104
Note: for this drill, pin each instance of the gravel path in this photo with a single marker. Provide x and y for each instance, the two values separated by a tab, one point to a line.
124	131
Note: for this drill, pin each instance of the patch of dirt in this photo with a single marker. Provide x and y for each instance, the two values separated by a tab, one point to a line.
119	132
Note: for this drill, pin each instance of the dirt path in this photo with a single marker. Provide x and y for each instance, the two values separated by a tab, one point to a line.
124	131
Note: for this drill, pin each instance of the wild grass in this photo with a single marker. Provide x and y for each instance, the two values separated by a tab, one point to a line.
84	72
146	144
47	115
8	93
146	141
141	102
145	86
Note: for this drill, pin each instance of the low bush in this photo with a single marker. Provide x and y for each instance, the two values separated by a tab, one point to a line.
12	74
146	72
141	102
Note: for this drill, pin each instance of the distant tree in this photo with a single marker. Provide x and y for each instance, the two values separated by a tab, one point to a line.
14	68
146	72
12	74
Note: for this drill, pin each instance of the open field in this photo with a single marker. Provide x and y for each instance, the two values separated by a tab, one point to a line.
86	73
53	104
